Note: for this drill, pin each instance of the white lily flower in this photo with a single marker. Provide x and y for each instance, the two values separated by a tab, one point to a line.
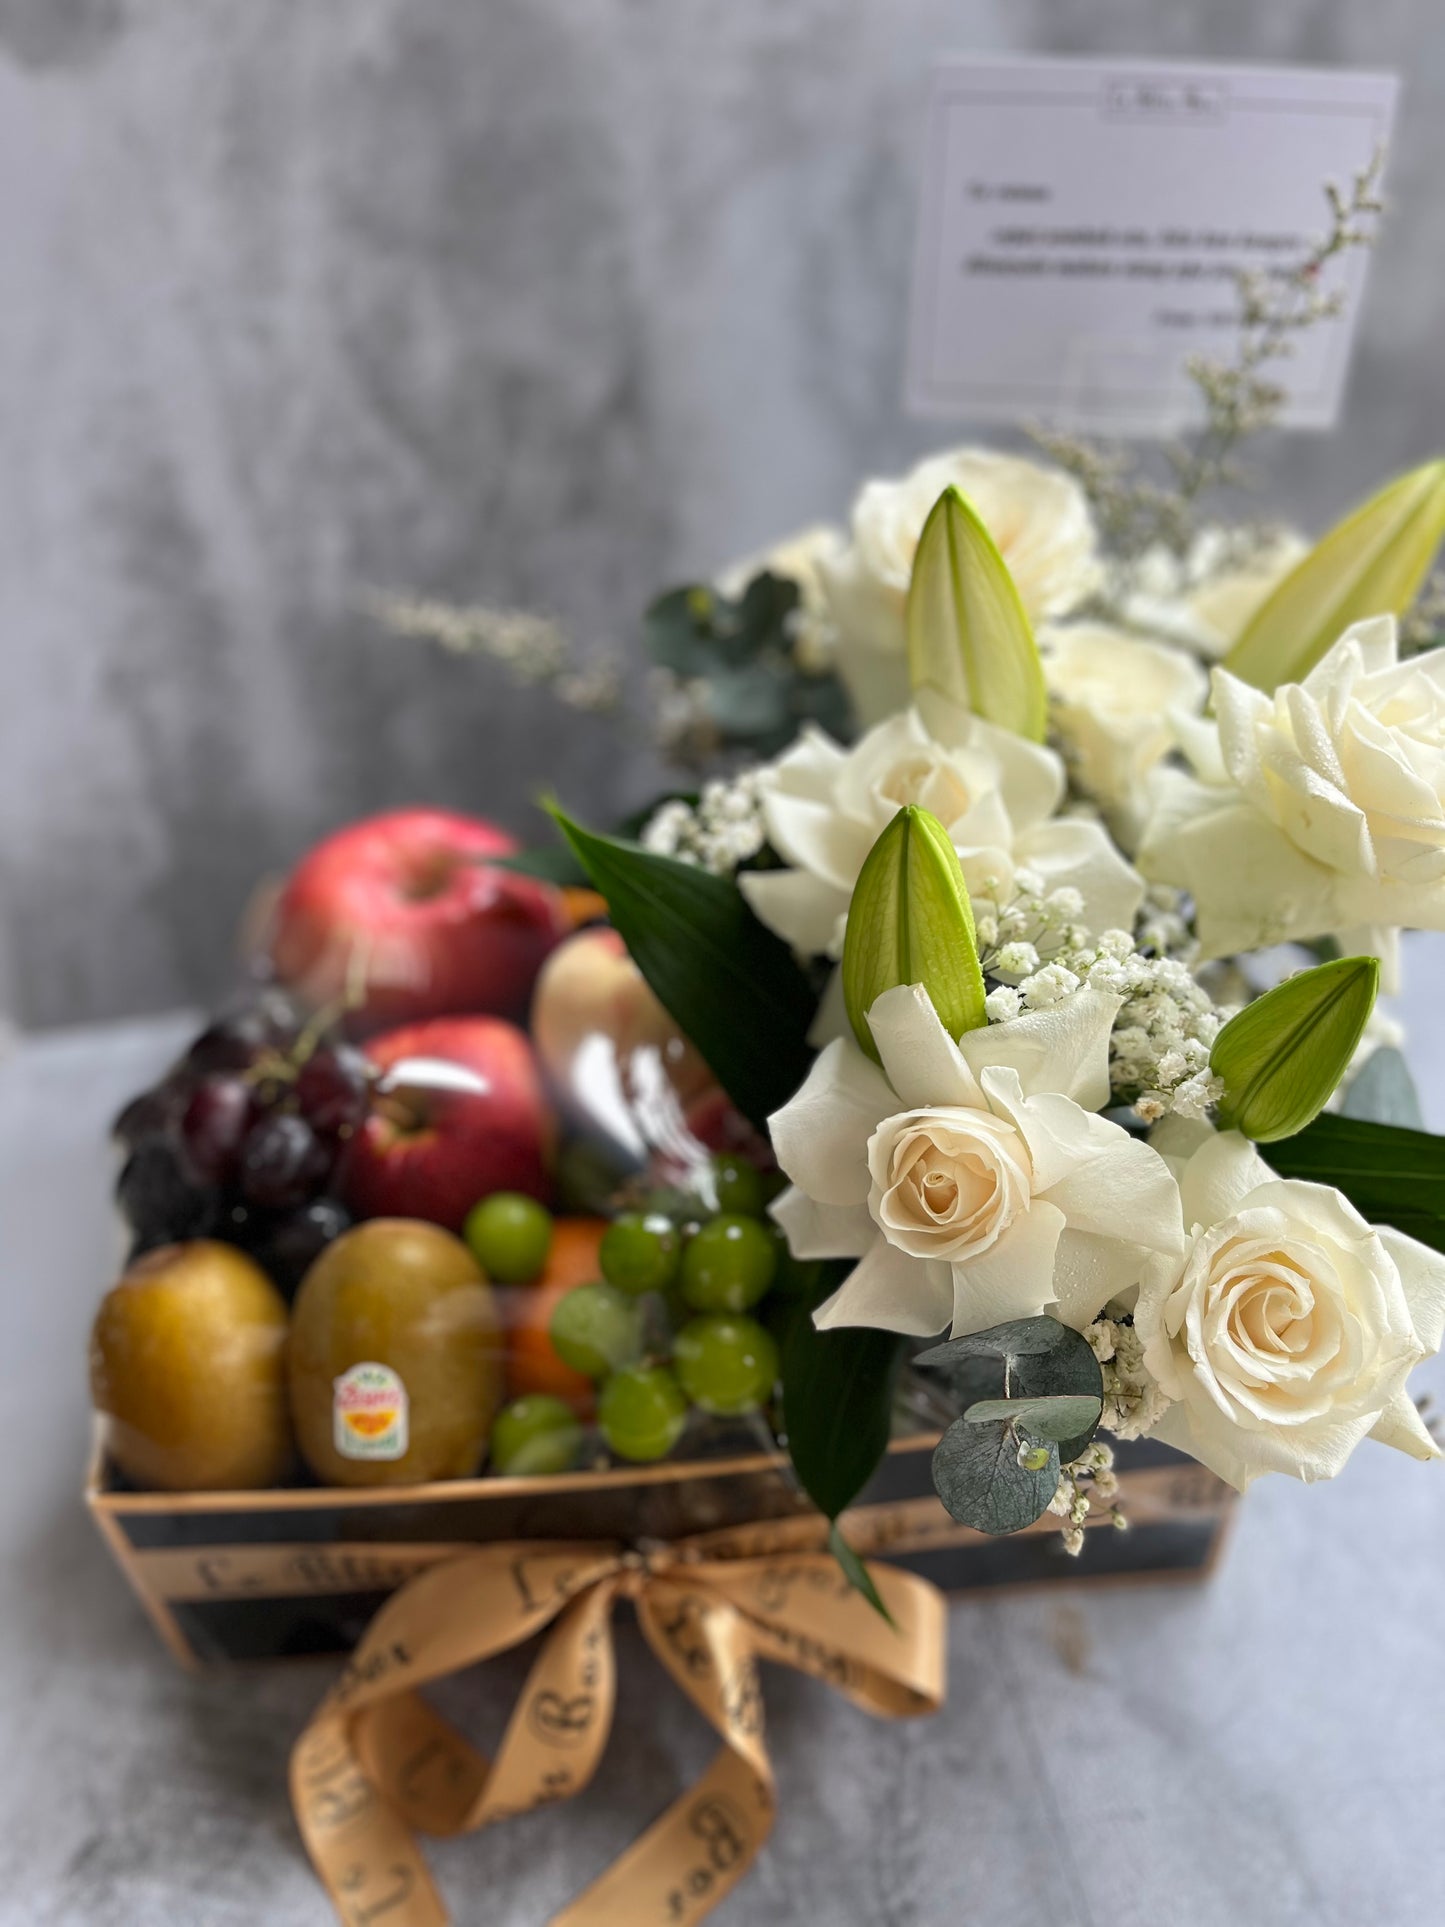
994	793
1038	516
1287	1332
973	1182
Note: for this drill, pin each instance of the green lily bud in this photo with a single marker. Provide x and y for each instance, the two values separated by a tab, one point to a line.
910	922
968	634
1371	564
1282	1056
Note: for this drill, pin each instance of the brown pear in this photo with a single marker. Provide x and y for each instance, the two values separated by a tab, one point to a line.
396	1371
188	1368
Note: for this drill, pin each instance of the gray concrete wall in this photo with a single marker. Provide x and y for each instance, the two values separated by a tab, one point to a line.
540	301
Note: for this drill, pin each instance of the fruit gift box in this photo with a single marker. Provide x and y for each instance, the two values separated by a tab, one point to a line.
446	1234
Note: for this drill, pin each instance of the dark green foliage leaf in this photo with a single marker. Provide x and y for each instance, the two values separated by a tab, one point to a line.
742	650
731	985
857	1574
553	863
1391	1176
1383	1092
1059	1418
977	1474
837	1403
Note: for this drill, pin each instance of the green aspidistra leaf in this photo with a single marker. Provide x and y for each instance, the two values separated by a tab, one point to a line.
968	633
733	988
1373	563
910	922
1391	1176
1281	1058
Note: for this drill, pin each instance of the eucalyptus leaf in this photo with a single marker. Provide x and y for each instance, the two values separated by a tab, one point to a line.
731	986
1015	1338
1037	1358
1383	1091
977	1474
1372	563
910	922
1282	1056
967	630
1061	1417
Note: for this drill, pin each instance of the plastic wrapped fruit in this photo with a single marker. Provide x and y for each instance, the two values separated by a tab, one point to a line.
187	1366
396	1367
408	910
533	1363
458	1111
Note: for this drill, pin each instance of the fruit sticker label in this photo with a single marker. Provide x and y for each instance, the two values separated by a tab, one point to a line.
368	1413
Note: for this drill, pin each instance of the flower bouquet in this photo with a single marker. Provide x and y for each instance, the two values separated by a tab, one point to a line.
984	1055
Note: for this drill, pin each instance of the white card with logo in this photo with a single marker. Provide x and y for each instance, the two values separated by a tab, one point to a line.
1084	222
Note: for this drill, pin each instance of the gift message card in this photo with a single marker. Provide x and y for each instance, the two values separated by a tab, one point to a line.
1084	222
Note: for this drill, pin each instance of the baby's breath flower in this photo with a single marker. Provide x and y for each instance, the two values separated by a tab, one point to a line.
722	832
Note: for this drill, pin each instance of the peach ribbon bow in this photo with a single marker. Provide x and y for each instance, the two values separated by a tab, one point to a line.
376	1766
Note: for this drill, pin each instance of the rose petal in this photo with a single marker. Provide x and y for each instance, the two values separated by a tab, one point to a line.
1014	1278
1222	1173
820	1137
816	1230
1422	1273
1401	1426
892	1292
1064	1048
924	1065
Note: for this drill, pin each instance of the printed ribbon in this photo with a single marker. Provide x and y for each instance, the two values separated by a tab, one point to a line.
377	1765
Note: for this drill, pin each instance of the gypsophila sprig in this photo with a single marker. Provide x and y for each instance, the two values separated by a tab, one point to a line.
1139	513
1087	1483
532	648
1035	954
723	830
1133	1402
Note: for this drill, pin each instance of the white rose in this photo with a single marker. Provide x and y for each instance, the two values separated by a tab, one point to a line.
994	793
1286	1334
1317	811
971	1181
1113	700
1203	602
797	558
1038	517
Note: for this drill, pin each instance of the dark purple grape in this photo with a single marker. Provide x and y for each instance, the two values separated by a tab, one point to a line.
297	1240
157	1197
214	1125
151	1114
230	1044
283	1162
333	1089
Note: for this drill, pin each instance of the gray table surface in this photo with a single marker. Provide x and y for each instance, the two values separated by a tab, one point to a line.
1259	1750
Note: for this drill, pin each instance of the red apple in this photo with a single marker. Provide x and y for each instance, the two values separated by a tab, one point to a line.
404	915
459	1113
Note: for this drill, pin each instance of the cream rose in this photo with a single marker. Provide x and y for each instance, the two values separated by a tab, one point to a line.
1286	1334
1038	517
971	1180
1113	699
1317	811
994	793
